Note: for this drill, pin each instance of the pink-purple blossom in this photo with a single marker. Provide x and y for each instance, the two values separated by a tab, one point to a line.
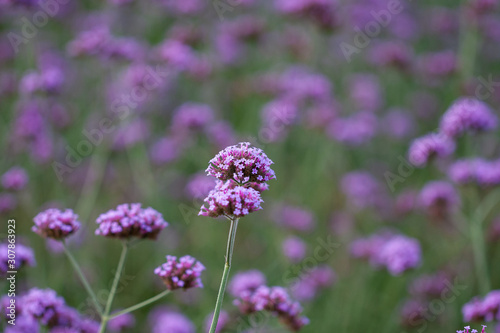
468	114
241	163
15	179
57	224
130	220
227	199
184	273
424	149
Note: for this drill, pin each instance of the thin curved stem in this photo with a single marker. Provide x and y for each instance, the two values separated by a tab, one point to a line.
140	305
225	274
86	284
112	292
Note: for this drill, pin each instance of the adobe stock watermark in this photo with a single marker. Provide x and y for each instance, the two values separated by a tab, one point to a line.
420	319
486	87
31	26
223	6
372	29
121	109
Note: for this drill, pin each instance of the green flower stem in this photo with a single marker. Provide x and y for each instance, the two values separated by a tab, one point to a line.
478	242
468	45
225	275
109	303
82	278
140	305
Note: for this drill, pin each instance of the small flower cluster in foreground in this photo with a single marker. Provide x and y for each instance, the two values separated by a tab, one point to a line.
486	309
397	253
242	164
44	307
182	274
274	300
242	172
130	221
467	330
54	223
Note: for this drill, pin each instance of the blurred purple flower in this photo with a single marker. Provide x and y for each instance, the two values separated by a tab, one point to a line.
468	114
193	116
294	217
15	179
425	148
355	130
199	186
294	248
224	319
247	281
24	257
121	323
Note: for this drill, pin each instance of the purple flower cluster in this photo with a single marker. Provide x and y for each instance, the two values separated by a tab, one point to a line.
423	149
475	171
294	248
310	284
24	257
395	252
468	114
295	218
439	198
467	329
354	130
44	307
241	163
130	221
486	309
276	301
184	273
362	189
246	281
121	323
15	179
54	223
166	320
228	199
429	286
192	116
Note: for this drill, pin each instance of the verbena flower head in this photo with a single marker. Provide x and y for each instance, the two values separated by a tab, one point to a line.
397	253
171	321
468	114
227	199
184	273
294	248
439	198
241	163
310	283
486	309
57	224
467	329
276	301
121	323
130	220
15	179
294	217
246	281
24	257
477	171
423	149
